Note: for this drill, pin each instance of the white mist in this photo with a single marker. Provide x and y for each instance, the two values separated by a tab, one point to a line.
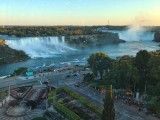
136	33
40	46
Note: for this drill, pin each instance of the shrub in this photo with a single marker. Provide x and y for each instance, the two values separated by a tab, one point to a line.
52	95
66	112
81	99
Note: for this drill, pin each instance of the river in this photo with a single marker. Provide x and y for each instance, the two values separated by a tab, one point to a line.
55	52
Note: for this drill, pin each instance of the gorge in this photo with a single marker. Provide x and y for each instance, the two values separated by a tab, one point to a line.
52	51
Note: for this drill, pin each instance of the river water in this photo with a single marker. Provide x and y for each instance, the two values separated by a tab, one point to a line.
54	51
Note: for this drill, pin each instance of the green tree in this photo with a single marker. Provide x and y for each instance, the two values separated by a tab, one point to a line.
129	72
88	77
141	62
123	75
20	71
154	76
109	110
99	63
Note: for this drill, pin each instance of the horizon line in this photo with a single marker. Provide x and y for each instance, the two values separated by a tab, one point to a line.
74	25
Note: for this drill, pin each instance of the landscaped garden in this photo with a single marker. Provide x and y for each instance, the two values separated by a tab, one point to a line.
20	92
73	106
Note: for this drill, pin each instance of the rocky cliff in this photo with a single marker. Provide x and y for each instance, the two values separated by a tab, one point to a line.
157	37
83	40
8	55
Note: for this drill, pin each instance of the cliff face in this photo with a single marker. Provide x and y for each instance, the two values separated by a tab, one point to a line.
8	55
2	42
83	40
157	37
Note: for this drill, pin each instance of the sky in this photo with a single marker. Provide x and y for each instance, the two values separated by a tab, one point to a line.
79	12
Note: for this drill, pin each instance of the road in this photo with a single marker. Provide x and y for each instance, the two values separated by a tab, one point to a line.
123	111
17	82
60	79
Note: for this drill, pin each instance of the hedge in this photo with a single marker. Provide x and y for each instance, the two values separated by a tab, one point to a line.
158	109
66	112
81	99
52	95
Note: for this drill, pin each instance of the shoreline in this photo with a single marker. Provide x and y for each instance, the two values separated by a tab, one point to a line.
55	70
9	55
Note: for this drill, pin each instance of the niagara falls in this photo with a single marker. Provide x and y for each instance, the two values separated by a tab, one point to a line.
79	60
55	50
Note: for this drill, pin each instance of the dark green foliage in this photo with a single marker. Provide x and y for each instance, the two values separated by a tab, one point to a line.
99	63
8	55
109	110
20	71
141	62
88	77
123	75
131	72
66	112
154	76
78	111
30	31
81	100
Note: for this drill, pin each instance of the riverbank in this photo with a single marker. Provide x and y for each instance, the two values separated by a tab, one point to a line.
9	55
65	69
69	56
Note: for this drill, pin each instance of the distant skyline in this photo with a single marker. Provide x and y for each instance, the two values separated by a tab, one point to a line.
79	12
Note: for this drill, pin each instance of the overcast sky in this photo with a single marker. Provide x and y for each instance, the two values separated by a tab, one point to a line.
79	12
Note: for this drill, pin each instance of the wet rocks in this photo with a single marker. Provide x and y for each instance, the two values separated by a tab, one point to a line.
157	37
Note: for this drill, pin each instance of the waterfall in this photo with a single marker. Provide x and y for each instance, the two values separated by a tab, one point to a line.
40	46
